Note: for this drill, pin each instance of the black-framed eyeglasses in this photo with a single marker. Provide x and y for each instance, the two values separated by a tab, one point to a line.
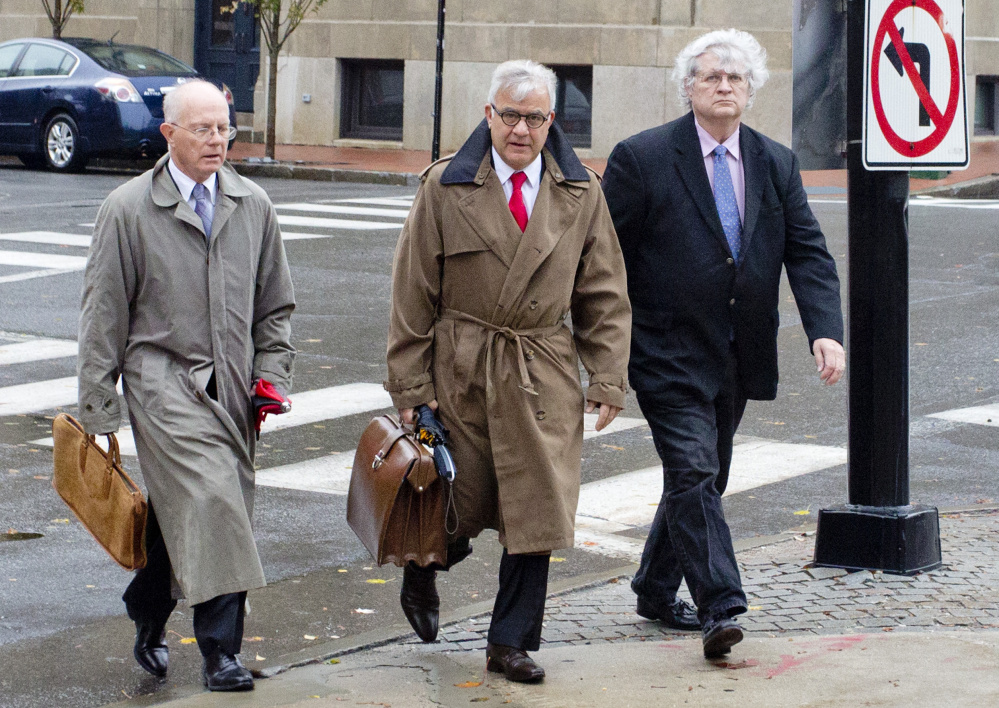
205	134
512	118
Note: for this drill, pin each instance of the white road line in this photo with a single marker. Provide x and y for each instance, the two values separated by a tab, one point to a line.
37	350
28	259
629	500
381	201
307	407
326	475
979	415
315	222
50	237
39	396
617	425
955	203
337	209
32	274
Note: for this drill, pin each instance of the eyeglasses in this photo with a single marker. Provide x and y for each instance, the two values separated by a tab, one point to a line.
512	118
205	134
714	80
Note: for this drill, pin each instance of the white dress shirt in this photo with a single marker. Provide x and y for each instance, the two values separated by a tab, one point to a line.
186	186
735	164
531	186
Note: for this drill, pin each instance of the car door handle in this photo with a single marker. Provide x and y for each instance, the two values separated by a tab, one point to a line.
48	89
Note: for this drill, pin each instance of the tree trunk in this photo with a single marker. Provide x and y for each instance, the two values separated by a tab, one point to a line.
273	51
57	20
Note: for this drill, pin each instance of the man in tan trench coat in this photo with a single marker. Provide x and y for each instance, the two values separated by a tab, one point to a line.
505	240
187	297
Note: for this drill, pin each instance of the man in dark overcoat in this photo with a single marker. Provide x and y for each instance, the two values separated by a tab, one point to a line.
708	211
505	240
187	298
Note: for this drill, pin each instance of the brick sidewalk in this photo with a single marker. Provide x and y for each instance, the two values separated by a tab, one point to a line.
787	596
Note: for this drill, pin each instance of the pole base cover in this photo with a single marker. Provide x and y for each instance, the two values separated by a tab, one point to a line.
894	539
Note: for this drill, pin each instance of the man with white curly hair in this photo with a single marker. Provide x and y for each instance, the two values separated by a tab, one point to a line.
505	239
708	211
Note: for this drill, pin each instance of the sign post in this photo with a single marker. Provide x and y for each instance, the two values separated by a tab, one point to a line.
894	121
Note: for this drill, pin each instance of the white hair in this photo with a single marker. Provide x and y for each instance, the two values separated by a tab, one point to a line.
173	102
521	77
737	51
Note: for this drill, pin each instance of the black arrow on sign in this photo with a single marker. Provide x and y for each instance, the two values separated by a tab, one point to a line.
920	54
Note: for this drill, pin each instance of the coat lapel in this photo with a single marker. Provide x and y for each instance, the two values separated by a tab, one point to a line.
690	165
501	234
755	168
554	212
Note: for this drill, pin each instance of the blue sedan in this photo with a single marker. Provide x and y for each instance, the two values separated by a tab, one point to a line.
63	102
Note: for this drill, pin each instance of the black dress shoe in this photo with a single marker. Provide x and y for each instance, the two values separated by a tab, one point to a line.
150	650
224	672
420	602
719	634
514	663
677	615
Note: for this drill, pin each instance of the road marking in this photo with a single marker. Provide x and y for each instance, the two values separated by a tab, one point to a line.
28	259
49	237
32	274
325	475
307	407
979	415
629	501
315	222
338	209
381	201
616	426
37	350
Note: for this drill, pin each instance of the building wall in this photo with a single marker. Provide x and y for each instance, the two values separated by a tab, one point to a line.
167	25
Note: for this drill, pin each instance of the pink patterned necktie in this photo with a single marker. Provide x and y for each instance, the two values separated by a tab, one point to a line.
517	206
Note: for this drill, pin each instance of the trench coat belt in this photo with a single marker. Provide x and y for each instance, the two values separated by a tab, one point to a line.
516	336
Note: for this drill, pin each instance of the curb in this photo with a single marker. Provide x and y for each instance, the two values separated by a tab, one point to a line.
980	188
324	174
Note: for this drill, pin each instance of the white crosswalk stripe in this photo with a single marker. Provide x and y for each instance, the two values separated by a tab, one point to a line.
978	415
339	209
45	264
48	237
37	350
348	224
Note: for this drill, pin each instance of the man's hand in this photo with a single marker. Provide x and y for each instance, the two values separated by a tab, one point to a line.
830	360
409	418
607	413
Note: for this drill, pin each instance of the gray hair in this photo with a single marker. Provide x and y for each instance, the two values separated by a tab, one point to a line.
173	103
737	51
521	77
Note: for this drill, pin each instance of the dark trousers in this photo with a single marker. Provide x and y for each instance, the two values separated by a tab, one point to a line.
519	609
218	623
689	537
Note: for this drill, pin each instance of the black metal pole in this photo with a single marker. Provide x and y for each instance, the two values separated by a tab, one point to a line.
878	529
435	149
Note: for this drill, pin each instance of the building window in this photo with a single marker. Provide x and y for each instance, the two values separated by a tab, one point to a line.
573	103
986	105
372	99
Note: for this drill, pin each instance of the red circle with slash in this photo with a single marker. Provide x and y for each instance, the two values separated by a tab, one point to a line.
943	122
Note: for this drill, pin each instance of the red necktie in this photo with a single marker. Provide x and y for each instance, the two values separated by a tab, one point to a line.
517	206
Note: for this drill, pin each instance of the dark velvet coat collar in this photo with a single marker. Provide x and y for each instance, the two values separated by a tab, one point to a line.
464	166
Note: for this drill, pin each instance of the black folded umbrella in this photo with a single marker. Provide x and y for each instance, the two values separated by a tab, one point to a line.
433	434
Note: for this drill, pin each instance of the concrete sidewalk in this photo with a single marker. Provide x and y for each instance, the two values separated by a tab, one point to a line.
814	636
401	167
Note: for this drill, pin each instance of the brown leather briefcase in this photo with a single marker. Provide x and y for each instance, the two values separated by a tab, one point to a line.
105	499
397	502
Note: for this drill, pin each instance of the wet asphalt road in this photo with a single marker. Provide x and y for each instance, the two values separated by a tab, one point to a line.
64	639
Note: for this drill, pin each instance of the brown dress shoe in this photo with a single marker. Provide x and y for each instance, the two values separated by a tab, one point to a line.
514	663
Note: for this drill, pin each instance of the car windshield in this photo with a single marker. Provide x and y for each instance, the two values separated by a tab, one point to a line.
136	61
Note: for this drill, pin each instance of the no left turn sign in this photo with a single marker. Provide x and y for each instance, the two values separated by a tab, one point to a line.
915	110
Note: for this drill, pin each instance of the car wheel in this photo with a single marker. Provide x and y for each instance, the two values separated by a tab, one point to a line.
61	148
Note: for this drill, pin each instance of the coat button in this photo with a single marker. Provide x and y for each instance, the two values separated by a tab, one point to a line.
732	301
540	415
533	305
198	394
529	355
730	261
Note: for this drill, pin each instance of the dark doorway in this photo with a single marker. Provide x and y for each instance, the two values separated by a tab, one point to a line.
227	47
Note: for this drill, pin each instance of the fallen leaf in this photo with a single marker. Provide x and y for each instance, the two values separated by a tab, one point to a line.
313	448
363	611
40	476
60	521
188	640
590	543
253	639
553	559
341	570
803	512
310	637
375	581
920	344
612	447
756	607
333	661
91	586
260	658
469	684
312	341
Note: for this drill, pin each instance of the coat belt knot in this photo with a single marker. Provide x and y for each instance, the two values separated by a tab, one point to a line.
512	335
